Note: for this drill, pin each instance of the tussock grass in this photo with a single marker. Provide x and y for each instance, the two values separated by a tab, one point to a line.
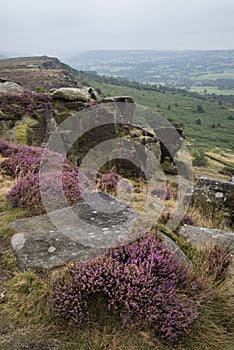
205	217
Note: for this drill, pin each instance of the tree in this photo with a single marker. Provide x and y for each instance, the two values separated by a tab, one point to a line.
200	109
198	121
199	159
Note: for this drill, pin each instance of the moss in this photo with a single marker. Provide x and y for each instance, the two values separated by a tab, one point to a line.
24	131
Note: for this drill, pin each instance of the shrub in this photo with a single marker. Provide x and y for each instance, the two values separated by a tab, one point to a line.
7	149
199	159
107	182
24	162
28	102
143	281
26	192
200	109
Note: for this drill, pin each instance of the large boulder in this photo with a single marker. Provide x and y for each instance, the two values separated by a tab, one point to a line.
74	94
39	244
214	193
170	141
203	237
10	87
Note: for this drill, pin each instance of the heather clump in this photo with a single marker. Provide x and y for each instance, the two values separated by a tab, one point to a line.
28	102
24	162
143	282
26	193
107	182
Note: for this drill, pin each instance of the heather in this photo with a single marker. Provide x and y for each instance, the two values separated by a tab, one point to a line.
144	282
23	162
28	102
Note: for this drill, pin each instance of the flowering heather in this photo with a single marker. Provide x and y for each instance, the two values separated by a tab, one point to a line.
6	149
28	102
107	182
27	159
143	281
26	192
24	162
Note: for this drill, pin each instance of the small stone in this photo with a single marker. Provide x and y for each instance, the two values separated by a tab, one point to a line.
51	249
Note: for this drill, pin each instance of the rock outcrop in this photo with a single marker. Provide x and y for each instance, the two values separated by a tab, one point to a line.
72	94
214	194
10	87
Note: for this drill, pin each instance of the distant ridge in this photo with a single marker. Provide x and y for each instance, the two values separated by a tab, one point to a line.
40	72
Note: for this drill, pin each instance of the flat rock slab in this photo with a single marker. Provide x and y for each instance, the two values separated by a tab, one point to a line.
77	233
203	237
81	232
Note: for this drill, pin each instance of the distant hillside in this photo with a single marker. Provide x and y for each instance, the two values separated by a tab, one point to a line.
35	73
201	71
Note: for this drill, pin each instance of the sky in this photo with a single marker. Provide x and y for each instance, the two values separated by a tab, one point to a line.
64	28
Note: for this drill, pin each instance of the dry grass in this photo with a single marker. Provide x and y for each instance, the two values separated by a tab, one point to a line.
218	219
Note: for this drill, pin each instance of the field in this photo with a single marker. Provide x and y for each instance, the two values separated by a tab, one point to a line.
211	90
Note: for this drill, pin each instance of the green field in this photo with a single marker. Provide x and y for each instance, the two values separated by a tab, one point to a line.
211	90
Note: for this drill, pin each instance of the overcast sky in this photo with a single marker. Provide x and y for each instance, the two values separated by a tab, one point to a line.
66	27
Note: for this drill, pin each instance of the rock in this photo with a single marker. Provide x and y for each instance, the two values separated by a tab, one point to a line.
39	244
176	249
10	87
170	142
203	237
127	99
215	185
72	94
94	94
214	194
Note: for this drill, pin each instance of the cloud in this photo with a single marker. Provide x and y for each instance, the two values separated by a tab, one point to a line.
68	26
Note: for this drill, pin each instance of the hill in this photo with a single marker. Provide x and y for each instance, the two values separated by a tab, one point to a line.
38	73
202	71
